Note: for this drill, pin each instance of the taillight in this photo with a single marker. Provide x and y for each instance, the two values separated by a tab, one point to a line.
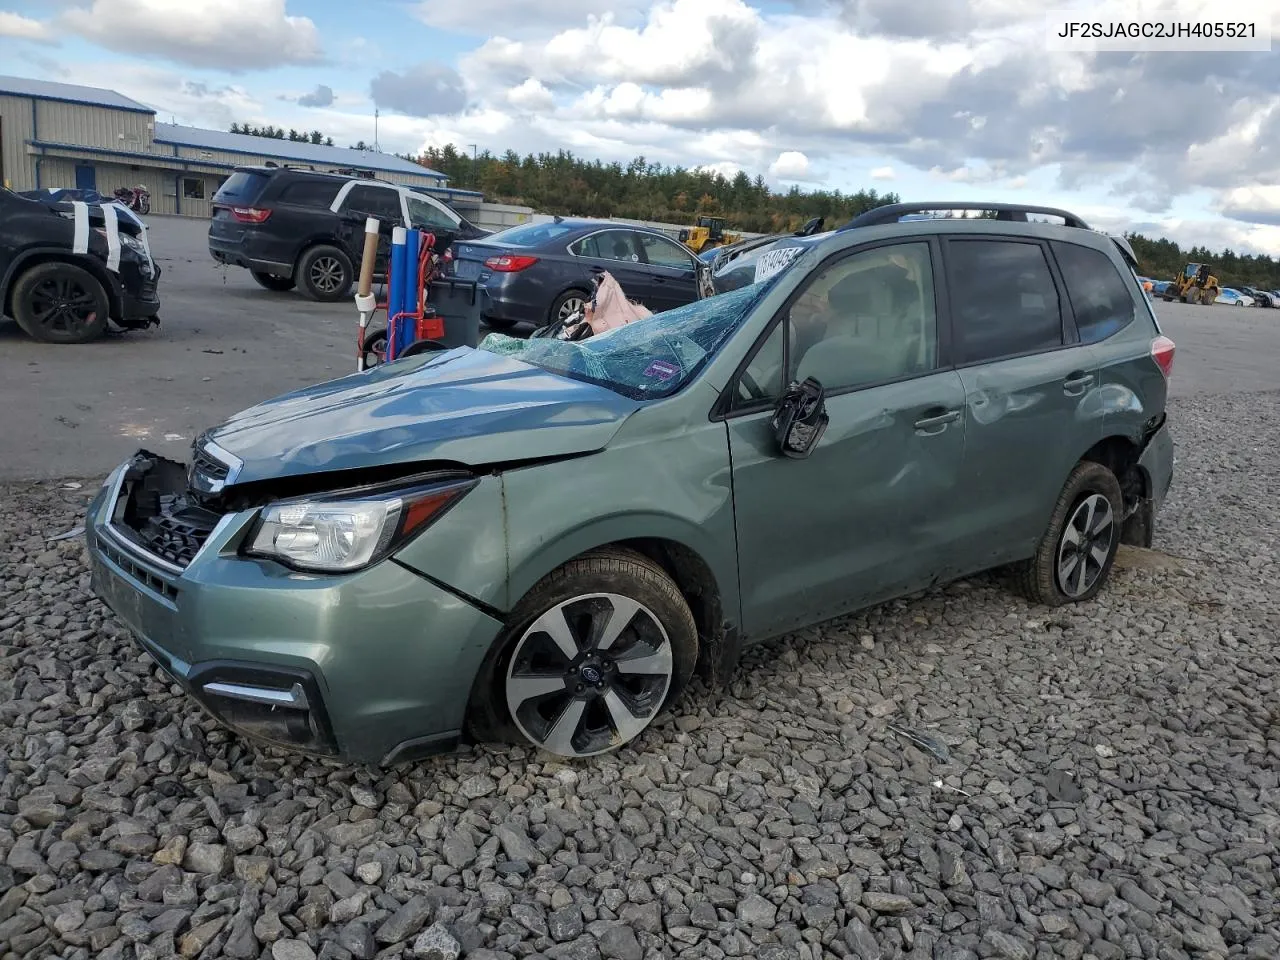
250	214
1162	353
509	264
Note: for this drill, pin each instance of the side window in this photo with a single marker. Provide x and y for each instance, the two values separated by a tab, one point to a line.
311	193
379	202
866	319
663	253
426	216
607	245
762	378
1099	296
1003	299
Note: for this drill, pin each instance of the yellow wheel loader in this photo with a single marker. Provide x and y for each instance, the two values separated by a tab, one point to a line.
708	233
1195	285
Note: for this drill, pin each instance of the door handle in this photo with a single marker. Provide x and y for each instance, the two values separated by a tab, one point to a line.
1076	383
659	279
936	423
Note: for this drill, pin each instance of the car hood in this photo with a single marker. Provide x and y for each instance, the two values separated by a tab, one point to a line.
464	406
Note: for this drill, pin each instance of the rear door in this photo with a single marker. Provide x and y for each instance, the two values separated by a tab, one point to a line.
617	251
1031	405
361	201
671	269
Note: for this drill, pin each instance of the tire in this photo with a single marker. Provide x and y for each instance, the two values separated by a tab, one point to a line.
375	347
599	705
421	346
324	273
144	206
1041	578
271	282
565	304
58	302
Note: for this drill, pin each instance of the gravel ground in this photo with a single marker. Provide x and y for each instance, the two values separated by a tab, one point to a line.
957	776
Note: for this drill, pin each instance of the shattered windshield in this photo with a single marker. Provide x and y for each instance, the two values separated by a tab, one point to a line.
645	359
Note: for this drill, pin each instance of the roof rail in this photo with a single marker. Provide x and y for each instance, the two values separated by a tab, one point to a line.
893	212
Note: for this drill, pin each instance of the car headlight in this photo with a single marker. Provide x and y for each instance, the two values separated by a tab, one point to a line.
133	243
341	535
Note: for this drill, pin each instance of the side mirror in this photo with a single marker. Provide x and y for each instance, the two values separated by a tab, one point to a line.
800	419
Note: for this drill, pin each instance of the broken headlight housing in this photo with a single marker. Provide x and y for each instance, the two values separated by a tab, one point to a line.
347	534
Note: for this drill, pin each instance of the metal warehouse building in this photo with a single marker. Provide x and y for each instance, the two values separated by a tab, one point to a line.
61	135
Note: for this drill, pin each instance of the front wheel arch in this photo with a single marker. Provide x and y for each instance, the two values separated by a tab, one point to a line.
30	258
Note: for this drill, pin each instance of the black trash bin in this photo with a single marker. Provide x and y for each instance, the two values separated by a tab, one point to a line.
457	302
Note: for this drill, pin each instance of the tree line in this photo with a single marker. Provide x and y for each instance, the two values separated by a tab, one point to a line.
279	133
1162	259
561	183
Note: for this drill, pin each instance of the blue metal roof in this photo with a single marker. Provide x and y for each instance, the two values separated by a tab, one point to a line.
70	93
288	150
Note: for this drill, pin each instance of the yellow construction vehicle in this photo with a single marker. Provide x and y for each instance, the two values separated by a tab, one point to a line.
708	233
1195	285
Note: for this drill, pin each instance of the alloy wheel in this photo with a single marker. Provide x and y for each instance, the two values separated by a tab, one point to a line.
1085	545
64	305
569	308
326	274
589	674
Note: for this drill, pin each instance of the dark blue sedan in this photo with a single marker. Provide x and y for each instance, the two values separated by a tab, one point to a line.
539	272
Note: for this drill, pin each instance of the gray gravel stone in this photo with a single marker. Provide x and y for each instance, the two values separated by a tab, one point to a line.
436	943
291	950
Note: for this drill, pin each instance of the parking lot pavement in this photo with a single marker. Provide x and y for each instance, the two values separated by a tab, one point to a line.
959	775
225	343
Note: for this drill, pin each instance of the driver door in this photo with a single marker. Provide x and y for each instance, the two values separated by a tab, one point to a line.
868	515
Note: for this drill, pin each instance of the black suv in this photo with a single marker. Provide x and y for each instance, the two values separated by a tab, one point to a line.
300	228
67	267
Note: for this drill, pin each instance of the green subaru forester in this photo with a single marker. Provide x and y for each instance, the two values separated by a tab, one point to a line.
544	540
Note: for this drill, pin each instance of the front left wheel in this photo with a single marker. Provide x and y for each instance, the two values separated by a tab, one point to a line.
1075	555
59	302
592	654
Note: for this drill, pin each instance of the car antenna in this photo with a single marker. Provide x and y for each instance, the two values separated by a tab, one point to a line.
558	218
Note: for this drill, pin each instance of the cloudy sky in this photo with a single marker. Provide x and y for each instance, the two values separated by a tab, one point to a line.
935	99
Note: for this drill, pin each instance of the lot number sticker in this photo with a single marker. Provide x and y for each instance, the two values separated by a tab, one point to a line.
774	261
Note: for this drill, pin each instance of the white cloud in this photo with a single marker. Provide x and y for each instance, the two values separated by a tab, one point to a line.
23	28
726	168
883	173
1253	204
531	95
229	35
482	17
790	165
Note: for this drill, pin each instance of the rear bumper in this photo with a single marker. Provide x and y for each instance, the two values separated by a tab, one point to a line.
246	252
373	667
234	257
1157	463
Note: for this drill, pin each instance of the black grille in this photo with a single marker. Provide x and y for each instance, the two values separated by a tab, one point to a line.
172	534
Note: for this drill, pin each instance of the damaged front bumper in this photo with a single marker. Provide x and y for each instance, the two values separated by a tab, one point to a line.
370	667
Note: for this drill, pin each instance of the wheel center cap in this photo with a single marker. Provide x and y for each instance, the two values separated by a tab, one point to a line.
591	673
